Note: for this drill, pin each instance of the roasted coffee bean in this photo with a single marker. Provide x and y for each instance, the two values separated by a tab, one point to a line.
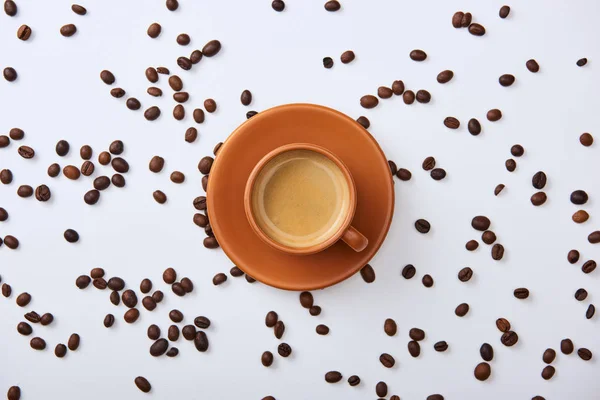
504	11
23	299
131	315
422	226
60	350
584	354
156	164
418	55
347	57
6	176
594	237
176	83
480	223
465	274
37	343
416	334
120	165
83	281
178	289
494	115
205	165
211	48
181	97
465	22
176	316
158	296
499	188
408	271
488	237
404	174
71	236
327	62
3	216
187	285
581	62
53	170
153	332
118	284
16	134
408	97
440	346
588	266
381	389
172	5
539	180
398	87
472	245
414	349
109	320
387	360
154	91
184	63
332	5
306	299
202	322
369	101
149	303
284	350
506	80
461	310
33	317
509	338
573	256
74	341
201	341
10	74
445	76
188	332
210	105
24	32
354	380
457	19
85	152
151	113
152	74
521	293
6	290
474	127
99	283
423	96
183	39
101	182
178	112
202	221
96	273
246	97
118	180
173	333
581	294
279	329
438	174
590	311
532	66
333	377
79	10
451	122
314	311
517	150
322	329
497	251
364	121
115	298
390	327
548	372
141	382
196	56
234	271
211	243
384	92
428	163
104	158
586	139
482	371
368	273
579	197
10	8
173	352
219	279
71	172
566	346
539	198
427	281
191	134
107	77
580	216
266	359
24	328
87	168
68	30
476	29
271	319
26	152
11	242
549	356
159	347
133	104
128	297
510	165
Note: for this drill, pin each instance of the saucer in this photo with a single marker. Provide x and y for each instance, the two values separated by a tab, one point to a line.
299	123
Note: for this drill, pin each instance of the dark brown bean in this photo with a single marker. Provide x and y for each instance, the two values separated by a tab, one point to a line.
404	174
191	134
176	83
414	349
24	328
408	97
422	226
114	298
384	92
211	48
152	113
566	346
133	104
474	127
219	279
573	256
497	252
279	329
120	165
101	182
539	198
179	112
586	139
416	334
509	338
23	299
332	5
457	19
210	105
461	310
549	356
271	319
476	29
465	274
37	343
532	66
367	273
117	93
74	341
183	39
438	174
418	55
499	188
159	347
24	32
322	329
423	96
521	293
16	134
398	87
10	74
390	327
428	163
503	325
494	115
173	333
472	245
482	371
118	180
364	121
591	310
6	176
154	91
445	76
548	372
142	384
153	332
333	377
440	346
266	359
284	350
580	216
26	152
181	97
506	80
354	380
201	341
369	101
381	389
60	350
408	271
68	30
188	332
594	237
169	276
306	299
579	197
154	30
347	57
172	5
387	360
504	11
584	354
109	320
588	266
11	9
131	315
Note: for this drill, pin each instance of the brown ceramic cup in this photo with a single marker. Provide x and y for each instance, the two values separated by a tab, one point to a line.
345	232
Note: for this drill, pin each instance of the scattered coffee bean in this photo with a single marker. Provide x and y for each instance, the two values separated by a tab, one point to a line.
584	354
517	150
202	322
85	152
549	356
26	152
427	281
173	333
451	122
579	197
591	310
33	317
354	380
159	347
24	32
476	29
423	96
390	327
539	198
279	329
24	328
588	266
347	57
134	104
384	92
10	8
87	168
573	256
306	299
60	350
37	343
71	172
99	283
566	346
158	296
118	180
73	342
176	83
404	174
581	294
271	319
581	62
191	134
333	377
128	297
474	127
120	165
494	115
115	299
327	62
440	346
176	316
466	20
586	139
461	310
381	389
141	382
422	226
539	180
79	10
457	19
109	320
183	39
521	293
179	112
414	349
322	329
172	5
16	134
509	338
267	359
480	223
428	163
488	237
438	174
159	196
188	332
580	216
510	165
548	372
53	170
23	299
418	55
198	115
201	341
594	237
368	273
154	91
532	66
181	97
3	215
369	101
68	30
408	97
211	243
278	5
219	279
149	303
408	271
151	113
71	236
504	11
131	315
465	274
156	164
6	290
11	242
154	30
506	80
416	334
83	281
445	76
497	251
332	5
472	245
153	332
6	176
211	48
234	271
10	74
482	371
196	56
387	360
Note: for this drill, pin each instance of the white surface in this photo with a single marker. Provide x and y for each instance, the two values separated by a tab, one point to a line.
278	57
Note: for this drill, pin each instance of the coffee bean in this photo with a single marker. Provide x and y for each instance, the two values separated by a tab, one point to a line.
118	180
152	113
210	105
566	346
211	243
435	396
548	372
594	237
131	315
99	283
37	343
24	32
488	237
128	297
149	303
509	338
517	150
354	380
332	5
461	310
188	332
284	350
457	19
588	266
267	359
591	310
87	168
494	115
159	347
381	389
445	76
3	215
191	134
408	97
584	354
549	356
476	29
176	316
211	48
73	342
438	174
278	5
158	296
390	327
79	10
581	62
573	256
133	104
368	273
85	152
504	11
579	197
173	333
172	5
10	8
119	92
408	271
440	346
97	273
532	66
347	57
580	216
327	62
120	165
219	278
183	39
6	290
414	348
71	172
428	163
539	180
53	170
423	96
60	350
482	371
114	298
187	285
586	139
142	383
202	322
465	274
539	198
24	328
154	30
506	80
181	97
333	377
68	30
497	251
322	329
427	281
480	223
153	332
271	319
178	112
451	122
23	299
279	329
387	360
472	245
26	152
83	281
521	293
201	341
499	188
510	165
416	334
384	92
404	174
474	127
422	226
109	320
196	56
234	271
71	236
10	74
6	176
418	55
581	294
16	134
369	101
306	299
11	242
33	317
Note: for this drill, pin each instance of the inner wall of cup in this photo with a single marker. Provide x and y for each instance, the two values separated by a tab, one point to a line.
300	198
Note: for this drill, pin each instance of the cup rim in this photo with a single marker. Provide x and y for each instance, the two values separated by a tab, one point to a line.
317	247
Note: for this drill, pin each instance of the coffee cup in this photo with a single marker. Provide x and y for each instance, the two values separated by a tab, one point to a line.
300	199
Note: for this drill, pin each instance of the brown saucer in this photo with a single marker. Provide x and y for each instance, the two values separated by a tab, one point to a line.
297	123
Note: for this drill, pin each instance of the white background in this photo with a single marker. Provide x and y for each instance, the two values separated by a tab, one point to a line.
278	56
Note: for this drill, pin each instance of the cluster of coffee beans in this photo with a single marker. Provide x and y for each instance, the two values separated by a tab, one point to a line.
398	89
566	347
464	20
482	223
284	350
204	166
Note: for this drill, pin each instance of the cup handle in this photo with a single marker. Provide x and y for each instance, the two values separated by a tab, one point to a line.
355	239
